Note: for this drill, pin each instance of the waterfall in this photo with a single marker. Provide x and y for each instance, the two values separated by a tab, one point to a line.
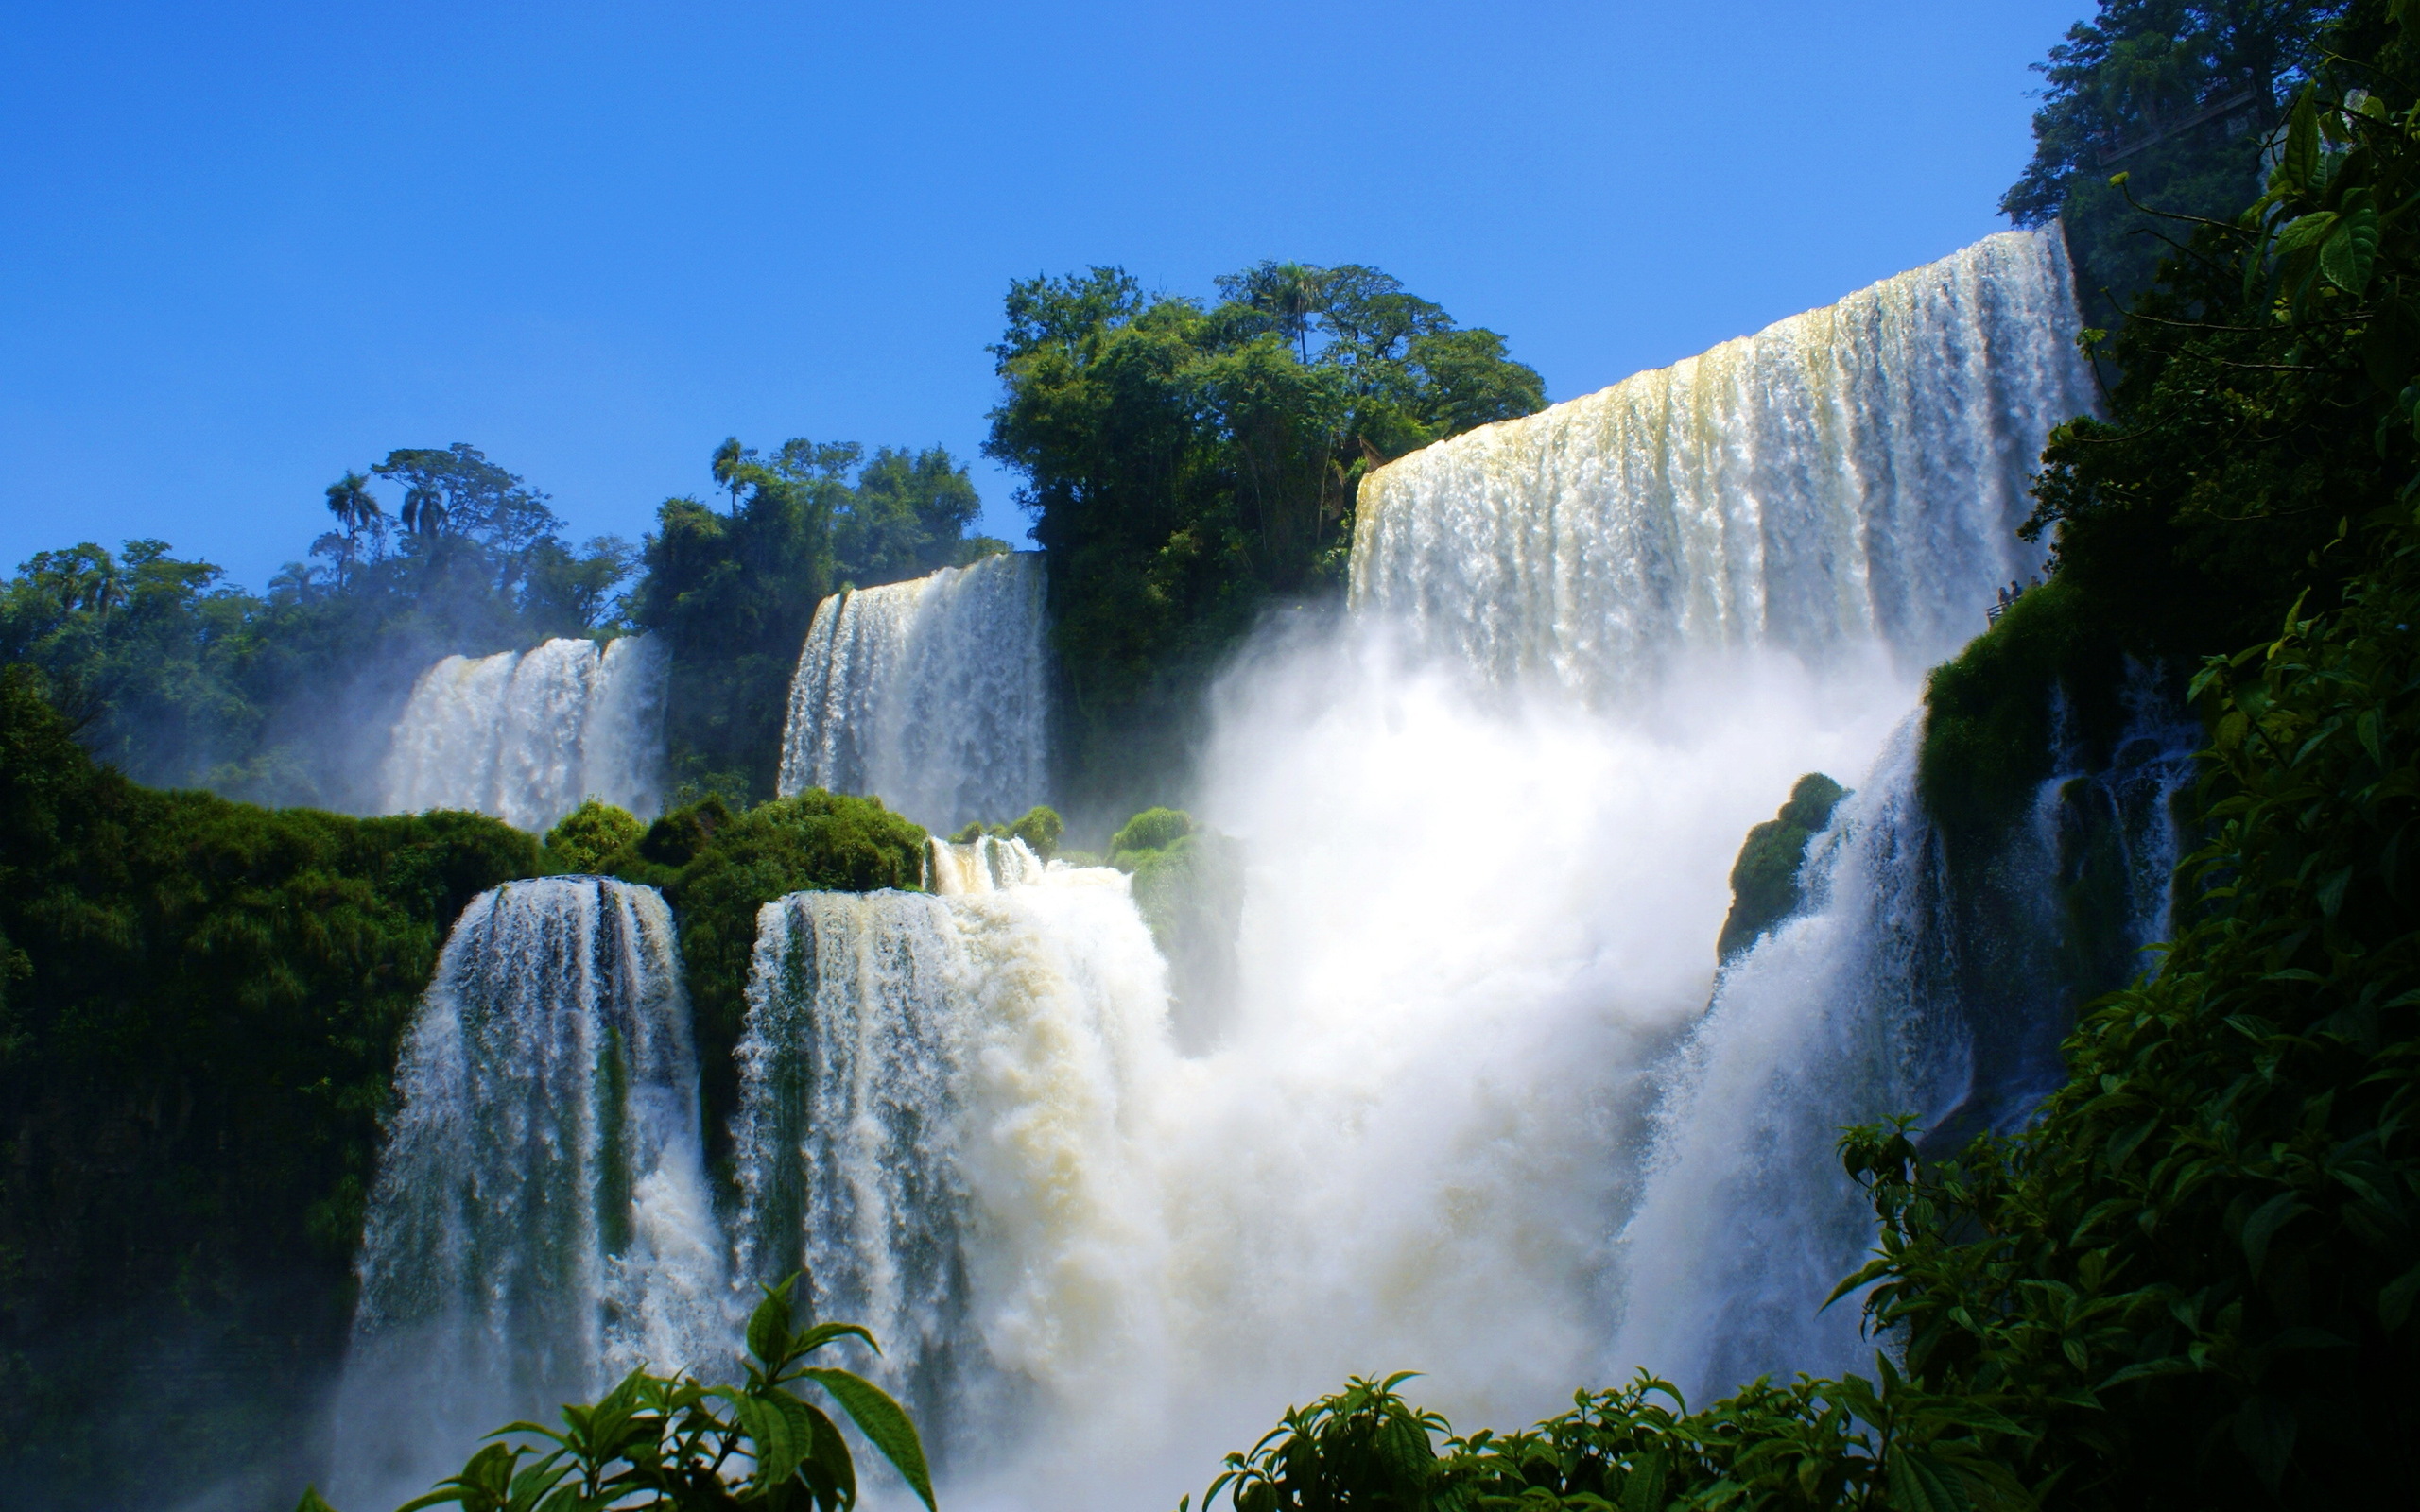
1471	1113
1887	993
931	694
526	736
934	1093
540	1222
1847	477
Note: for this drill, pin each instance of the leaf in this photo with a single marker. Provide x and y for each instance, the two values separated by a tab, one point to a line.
311	1502
823	1333
829	1459
2351	252
2298	164
769	1327
2331	892
2395	1299
2264	1223
1920	1482
883	1421
2265	1431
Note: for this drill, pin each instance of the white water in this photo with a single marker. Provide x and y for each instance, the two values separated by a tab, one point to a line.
528	737
936	1122
1470	1114
1490	820
1847	477
931	694
540	1222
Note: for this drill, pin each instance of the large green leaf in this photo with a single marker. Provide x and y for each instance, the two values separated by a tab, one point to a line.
883	1421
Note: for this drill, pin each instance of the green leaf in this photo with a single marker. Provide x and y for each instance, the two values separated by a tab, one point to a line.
2264	1223
769	1327
2395	1299
2265	1430
2349	256
823	1333
1920	1482
311	1502
828	1457
883	1421
2299	164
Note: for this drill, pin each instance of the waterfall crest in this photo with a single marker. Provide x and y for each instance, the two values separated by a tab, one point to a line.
1849	475
540	1222
931	694
933	1095
526	736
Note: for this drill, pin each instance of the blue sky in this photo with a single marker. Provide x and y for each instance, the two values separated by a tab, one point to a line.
248	247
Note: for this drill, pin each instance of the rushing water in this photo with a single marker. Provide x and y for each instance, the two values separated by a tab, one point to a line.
1470	1112
528	735
1848	477
540	1222
934	1122
932	695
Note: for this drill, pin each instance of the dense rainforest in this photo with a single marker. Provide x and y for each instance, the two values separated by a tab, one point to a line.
2191	1281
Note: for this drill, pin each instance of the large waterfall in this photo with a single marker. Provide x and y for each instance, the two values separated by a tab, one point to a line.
1845	479
1481	1106
528	735
932	695
540	1222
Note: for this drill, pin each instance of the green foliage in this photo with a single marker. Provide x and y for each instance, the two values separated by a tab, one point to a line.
716	869
202	1006
733	591
2181	95
1814	1444
1189	461
1040	828
677	1444
180	680
1764	881
594	837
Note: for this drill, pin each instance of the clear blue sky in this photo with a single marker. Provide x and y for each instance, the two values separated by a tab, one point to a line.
246	247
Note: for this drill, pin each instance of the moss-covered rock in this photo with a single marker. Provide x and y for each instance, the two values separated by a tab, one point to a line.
1040	828
1189	887
1764	881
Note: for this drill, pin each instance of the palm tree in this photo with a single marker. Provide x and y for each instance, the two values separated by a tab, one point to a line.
350	501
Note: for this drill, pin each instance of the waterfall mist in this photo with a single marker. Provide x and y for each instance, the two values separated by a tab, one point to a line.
526	736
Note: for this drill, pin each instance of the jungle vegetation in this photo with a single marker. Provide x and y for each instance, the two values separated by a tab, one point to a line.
1190	461
201	1006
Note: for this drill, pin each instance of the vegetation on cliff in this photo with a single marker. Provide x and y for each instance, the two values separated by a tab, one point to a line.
1764	881
1188	461
200	1004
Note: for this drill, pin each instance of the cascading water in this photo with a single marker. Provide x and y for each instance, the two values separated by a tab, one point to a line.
528	736
540	1222
932	695
934	1100
1848	477
1468	1113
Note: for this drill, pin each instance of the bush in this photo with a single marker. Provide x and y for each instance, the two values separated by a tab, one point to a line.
1764	881
594	837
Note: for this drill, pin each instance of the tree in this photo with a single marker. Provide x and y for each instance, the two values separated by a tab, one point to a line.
1189	463
2183	95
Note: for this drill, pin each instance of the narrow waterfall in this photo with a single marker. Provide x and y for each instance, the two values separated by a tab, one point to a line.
1888	993
1848	477
528	736
934	1093
932	695
540	1222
